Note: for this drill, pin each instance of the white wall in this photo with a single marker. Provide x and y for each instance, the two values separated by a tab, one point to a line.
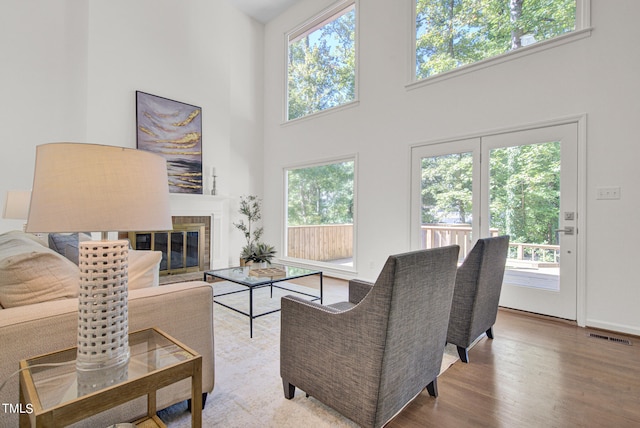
74	67
200	52
43	85
596	76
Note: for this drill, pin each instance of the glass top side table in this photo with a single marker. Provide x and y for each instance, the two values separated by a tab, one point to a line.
60	395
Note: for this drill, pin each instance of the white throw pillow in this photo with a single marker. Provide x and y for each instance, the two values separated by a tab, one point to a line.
144	268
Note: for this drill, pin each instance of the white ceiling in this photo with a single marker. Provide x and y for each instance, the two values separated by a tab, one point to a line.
263	10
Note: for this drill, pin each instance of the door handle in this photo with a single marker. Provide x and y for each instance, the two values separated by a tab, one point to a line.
569	230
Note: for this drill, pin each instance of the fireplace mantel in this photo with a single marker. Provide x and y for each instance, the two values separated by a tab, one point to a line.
206	205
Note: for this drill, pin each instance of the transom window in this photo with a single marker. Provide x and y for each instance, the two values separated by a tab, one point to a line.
321	71
453	33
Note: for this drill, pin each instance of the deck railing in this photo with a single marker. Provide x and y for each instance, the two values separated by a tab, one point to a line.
541	255
440	235
434	236
335	241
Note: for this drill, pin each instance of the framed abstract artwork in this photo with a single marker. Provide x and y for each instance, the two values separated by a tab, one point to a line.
173	130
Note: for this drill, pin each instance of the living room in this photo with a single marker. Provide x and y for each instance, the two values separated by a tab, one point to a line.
71	70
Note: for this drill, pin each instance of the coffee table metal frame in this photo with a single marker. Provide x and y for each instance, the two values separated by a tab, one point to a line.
240	277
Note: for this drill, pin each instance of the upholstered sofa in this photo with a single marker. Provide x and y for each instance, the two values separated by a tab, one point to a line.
38	314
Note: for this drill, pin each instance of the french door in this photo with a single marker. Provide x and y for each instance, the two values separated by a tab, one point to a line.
522	184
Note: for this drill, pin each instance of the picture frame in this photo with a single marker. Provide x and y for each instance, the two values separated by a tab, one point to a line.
173	130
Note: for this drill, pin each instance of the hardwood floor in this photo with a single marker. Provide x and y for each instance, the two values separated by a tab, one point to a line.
537	372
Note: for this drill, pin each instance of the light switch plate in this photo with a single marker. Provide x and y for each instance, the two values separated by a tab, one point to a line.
610	192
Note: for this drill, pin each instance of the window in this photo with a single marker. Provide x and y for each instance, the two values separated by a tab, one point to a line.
321	71
320	212
453	33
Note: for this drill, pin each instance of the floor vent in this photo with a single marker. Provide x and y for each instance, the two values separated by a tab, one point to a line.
609	338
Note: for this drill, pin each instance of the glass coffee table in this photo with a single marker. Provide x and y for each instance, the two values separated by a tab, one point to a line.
253	279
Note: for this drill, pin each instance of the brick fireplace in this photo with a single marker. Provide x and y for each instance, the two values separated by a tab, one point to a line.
197	241
185	249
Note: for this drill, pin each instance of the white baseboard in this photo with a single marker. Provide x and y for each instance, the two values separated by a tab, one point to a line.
621	328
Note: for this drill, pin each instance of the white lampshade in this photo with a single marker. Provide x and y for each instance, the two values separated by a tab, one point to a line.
16	205
88	187
92	188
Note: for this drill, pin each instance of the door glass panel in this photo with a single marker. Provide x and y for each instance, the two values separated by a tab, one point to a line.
524	203
446	201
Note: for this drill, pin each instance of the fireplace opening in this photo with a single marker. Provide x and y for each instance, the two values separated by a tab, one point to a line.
184	249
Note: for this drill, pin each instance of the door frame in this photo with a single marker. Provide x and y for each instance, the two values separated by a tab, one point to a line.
581	239
467	145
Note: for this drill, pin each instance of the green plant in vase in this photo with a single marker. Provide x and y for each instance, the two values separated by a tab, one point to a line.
264	253
253	251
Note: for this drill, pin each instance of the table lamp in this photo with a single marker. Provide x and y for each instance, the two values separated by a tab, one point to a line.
16	205
90	188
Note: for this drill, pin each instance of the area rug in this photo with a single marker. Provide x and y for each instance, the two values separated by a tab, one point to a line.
248	388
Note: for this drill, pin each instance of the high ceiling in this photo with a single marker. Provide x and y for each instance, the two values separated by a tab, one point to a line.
263	10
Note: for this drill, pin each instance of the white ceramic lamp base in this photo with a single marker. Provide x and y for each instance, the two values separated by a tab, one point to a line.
103	327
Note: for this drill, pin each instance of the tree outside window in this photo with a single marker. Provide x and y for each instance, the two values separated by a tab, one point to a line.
321	63
524	184
454	33
320	212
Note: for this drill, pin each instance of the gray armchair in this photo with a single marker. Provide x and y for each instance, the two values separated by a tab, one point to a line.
367	358
477	292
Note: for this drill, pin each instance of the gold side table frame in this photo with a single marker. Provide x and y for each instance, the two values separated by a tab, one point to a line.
60	395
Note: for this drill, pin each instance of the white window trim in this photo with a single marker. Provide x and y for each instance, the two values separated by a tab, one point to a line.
327	267
583	30
325	112
319	20
307	26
